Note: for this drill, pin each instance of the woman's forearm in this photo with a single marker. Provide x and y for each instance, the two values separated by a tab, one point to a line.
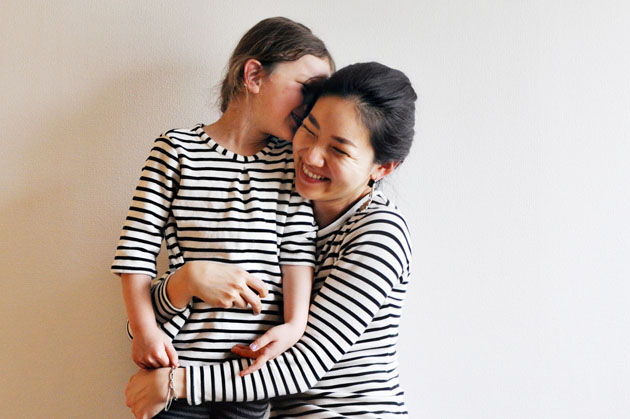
178	288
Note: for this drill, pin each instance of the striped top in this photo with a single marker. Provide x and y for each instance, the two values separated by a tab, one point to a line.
346	362
209	203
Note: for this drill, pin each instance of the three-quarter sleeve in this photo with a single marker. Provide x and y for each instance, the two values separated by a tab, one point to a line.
144	227
298	236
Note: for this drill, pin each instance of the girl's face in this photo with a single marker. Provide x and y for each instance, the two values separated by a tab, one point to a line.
334	159
280	103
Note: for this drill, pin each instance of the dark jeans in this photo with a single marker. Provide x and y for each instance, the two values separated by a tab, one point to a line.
182	410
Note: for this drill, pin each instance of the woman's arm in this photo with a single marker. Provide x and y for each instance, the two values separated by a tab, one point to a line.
218	284
375	259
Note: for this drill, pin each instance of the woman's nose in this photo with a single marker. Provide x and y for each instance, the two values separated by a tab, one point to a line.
314	156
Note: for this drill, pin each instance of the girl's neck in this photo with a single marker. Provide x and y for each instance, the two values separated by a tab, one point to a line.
234	131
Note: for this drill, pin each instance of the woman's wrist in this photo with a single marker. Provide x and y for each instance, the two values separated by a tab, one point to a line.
179	379
178	288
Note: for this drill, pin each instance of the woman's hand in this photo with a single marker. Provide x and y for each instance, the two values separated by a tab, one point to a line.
218	284
267	347
146	390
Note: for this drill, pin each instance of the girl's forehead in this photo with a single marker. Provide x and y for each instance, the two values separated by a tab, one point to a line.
307	66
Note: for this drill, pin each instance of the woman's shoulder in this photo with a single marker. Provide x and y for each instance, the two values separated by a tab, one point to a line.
379	229
381	210
380	218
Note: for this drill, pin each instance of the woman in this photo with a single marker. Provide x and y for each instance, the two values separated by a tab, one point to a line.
359	130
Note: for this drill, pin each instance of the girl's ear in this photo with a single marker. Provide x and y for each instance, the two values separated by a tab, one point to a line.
253	73
383	170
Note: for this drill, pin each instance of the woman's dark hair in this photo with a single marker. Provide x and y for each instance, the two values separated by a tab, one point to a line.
385	101
270	41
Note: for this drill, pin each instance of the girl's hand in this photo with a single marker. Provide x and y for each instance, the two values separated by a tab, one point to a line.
146	391
153	349
223	285
267	347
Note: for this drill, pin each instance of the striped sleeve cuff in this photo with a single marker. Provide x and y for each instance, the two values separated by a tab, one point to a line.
163	306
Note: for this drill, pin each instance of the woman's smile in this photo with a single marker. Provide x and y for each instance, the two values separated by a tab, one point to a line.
310	176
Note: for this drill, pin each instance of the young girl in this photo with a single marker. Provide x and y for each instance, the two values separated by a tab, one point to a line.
224	193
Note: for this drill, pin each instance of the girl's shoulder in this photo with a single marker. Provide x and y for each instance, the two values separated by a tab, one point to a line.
192	135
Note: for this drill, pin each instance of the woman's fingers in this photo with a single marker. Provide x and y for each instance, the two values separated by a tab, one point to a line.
250	297
239	302
257	285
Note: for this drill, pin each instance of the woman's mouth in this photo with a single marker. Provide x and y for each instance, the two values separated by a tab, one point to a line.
310	175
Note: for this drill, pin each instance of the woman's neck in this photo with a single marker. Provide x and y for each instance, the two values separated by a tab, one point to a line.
327	212
235	132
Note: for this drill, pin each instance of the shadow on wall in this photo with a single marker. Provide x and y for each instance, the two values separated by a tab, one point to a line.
61	307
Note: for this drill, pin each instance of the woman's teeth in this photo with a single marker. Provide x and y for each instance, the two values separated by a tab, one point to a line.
311	174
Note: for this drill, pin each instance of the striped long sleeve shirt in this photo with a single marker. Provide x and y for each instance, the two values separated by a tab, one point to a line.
208	203
346	362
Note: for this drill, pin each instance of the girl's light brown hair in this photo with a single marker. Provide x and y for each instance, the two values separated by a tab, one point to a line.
270	41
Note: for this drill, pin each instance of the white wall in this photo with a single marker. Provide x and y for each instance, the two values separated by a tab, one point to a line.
517	190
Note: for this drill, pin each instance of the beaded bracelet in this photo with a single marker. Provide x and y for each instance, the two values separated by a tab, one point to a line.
170	394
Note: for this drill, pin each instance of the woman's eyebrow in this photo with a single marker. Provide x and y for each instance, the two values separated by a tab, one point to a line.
313	121
343	140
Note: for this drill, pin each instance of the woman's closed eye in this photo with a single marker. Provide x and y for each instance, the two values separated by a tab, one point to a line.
308	129
340	151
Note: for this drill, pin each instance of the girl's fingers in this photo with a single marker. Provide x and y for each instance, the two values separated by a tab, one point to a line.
172	354
260	361
262	341
244	351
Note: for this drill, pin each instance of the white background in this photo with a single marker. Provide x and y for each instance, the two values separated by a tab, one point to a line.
517	190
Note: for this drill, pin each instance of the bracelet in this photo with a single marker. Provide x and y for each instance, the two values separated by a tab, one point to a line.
170	394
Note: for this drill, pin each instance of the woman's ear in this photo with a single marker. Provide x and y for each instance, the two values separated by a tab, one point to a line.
253	72
383	170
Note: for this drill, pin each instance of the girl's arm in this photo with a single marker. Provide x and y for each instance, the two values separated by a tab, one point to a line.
137	250
150	347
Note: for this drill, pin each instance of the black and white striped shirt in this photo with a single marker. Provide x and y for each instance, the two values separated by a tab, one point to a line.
209	203
346	362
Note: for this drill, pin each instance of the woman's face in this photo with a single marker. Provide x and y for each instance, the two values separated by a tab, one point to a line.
334	159
280	103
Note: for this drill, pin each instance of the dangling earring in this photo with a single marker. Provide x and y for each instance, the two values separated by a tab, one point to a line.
371	183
